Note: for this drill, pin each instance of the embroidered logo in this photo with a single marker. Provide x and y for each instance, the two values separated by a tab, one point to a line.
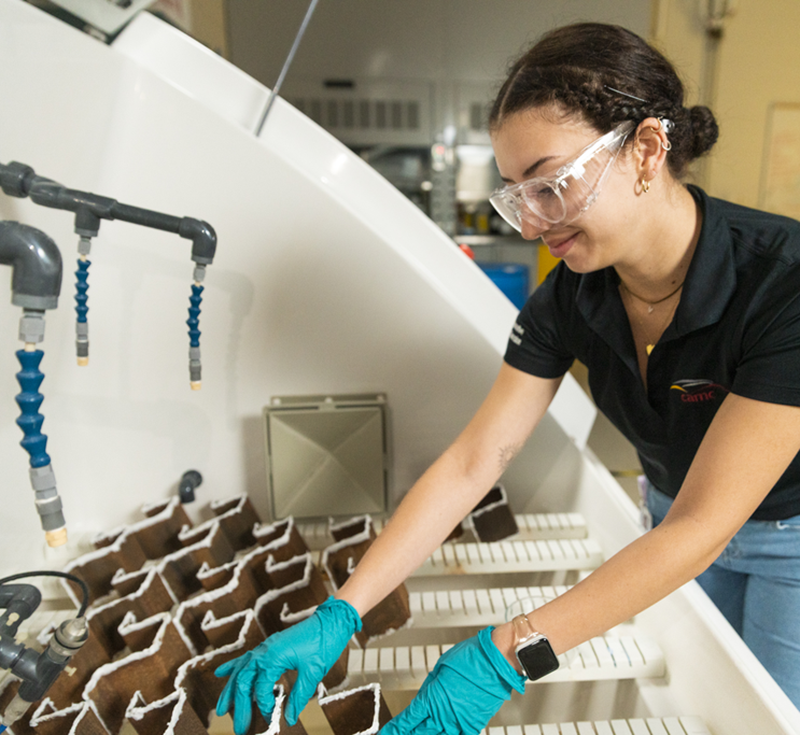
516	332
699	390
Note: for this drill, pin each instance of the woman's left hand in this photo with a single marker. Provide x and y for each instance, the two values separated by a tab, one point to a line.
463	692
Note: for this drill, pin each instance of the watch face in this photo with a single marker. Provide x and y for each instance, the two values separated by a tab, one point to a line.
537	659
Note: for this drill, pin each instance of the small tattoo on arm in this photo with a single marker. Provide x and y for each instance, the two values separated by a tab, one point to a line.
507	454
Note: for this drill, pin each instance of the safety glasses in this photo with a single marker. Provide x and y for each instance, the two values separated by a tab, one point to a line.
547	202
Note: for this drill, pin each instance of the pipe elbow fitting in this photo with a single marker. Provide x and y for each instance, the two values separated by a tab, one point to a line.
203	237
37	264
20	601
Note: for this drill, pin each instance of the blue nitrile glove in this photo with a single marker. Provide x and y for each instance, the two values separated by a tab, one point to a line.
463	692
310	648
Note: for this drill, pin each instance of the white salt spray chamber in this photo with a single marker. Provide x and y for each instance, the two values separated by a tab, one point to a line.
329	294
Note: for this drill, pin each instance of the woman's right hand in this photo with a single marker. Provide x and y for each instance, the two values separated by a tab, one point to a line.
310	647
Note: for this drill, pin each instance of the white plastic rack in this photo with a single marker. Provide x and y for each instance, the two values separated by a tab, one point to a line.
602	658
508	557
474	607
649	726
532	527
547	555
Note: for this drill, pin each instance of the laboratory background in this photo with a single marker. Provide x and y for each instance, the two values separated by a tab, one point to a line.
238	326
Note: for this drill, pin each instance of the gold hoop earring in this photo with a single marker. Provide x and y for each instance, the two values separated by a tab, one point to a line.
645	185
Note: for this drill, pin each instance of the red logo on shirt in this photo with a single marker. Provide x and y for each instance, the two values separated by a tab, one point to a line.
699	391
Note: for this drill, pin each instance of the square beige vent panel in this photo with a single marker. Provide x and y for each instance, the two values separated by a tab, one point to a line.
326	455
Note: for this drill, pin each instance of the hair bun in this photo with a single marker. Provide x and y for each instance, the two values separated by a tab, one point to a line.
704	130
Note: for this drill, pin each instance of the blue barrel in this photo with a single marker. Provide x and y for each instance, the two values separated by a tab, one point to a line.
513	279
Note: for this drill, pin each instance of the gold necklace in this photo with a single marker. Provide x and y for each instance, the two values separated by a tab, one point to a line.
651	305
650	344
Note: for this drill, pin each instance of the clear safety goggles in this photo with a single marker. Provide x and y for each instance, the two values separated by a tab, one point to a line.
547	202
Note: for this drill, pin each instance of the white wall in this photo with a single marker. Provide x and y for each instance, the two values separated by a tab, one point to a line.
755	66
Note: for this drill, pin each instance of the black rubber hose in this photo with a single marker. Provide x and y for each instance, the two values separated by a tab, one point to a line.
63	575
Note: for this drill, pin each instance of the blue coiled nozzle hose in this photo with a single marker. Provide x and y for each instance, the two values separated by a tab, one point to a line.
81	310
34	442
35	286
193	322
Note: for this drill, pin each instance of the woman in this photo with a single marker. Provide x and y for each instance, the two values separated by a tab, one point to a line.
685	312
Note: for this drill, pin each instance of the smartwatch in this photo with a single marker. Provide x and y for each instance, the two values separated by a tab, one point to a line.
533	650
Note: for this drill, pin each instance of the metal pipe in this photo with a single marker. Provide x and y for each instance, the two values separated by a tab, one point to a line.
286	65
64	644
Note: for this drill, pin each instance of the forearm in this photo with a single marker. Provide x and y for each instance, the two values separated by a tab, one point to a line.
745	451
433	507
453	485
640	575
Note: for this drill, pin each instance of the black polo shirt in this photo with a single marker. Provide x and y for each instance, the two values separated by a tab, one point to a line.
736	329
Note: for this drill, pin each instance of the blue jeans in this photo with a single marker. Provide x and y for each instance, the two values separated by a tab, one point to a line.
755	583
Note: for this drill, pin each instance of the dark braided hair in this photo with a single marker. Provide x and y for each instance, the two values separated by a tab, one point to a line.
605	74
